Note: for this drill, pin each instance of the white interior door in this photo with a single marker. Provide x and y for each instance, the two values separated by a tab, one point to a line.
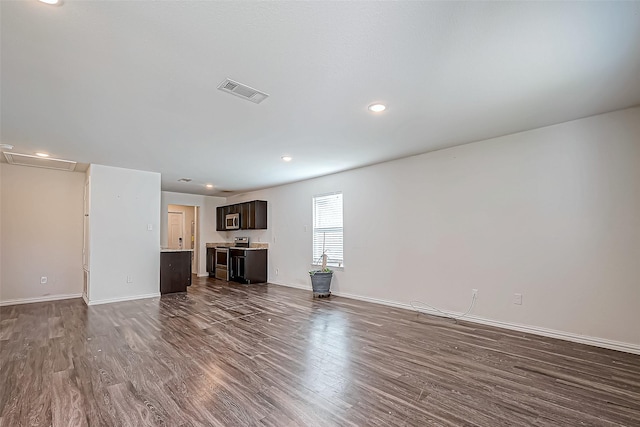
176	230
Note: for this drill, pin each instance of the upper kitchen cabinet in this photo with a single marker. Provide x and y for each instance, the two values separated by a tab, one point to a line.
220	218
253	215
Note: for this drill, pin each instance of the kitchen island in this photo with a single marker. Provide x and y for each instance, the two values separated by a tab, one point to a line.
175	270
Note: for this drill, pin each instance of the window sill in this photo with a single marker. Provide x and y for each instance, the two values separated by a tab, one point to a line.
332	267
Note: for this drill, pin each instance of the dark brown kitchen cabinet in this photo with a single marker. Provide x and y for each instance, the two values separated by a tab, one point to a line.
175	271
258	215
245	216
211	262
248	265
253	215
220	218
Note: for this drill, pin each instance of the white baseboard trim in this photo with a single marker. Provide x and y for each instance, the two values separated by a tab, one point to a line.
288	285
553	333
122	299
535	330
38	299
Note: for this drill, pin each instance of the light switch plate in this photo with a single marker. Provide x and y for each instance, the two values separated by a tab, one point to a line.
517	299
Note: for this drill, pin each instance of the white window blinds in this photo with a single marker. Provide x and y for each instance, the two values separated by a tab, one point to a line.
327	229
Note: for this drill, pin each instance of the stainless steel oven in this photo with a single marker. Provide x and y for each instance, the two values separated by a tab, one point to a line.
222	263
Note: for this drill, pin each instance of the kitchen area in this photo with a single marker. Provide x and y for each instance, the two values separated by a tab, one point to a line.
239	261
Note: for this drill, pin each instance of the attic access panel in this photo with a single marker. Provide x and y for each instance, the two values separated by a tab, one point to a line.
39	162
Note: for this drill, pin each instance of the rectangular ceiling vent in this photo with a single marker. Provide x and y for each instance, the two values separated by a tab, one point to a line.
39	162
243	91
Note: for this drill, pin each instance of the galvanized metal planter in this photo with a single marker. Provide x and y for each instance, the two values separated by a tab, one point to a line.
321	283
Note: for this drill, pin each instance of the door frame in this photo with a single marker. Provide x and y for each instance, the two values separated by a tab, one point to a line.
196	240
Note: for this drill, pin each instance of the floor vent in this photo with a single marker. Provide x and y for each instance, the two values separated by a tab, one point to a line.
39	162
243	91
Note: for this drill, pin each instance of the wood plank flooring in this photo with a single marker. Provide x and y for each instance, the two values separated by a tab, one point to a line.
265	355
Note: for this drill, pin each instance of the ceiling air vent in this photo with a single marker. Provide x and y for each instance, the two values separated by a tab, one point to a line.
243	91
39	162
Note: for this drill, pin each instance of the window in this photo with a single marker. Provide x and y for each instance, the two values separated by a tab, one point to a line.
327	229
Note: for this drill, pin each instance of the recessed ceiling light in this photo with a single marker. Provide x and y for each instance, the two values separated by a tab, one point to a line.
6	146
377	108
209	185
287	158
52	2
42	155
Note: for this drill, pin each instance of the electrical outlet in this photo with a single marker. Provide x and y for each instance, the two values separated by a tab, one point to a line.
277	271
129	279
517	299
474	292
43	280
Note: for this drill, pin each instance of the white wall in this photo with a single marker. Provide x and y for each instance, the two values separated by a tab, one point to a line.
40	233
207	221
123	203
1	239
552	213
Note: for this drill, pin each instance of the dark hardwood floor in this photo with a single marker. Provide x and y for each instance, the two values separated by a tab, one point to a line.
235	355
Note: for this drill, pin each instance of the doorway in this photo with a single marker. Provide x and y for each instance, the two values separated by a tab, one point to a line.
176	230
183	231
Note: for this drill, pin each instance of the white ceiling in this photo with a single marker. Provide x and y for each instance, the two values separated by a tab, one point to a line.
133	83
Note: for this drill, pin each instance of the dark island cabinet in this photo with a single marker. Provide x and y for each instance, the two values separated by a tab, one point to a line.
253	215
175	271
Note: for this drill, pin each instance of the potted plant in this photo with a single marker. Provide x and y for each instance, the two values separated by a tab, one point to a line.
321	279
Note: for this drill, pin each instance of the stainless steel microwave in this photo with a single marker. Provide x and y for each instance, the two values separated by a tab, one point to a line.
232	221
